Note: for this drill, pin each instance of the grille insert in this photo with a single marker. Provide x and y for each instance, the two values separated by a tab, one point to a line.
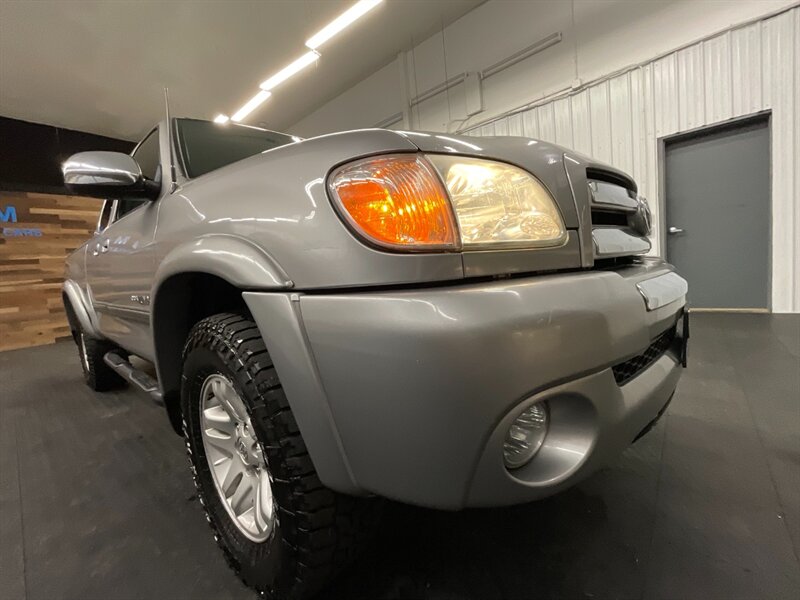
625	371
609	217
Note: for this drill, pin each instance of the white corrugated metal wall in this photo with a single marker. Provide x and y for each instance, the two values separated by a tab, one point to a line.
622	119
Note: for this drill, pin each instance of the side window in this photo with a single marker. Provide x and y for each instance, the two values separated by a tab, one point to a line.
105	215
126	205
149	159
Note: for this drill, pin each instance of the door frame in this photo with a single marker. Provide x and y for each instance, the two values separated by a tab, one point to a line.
701	131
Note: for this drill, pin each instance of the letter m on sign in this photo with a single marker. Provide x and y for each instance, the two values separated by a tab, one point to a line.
8	214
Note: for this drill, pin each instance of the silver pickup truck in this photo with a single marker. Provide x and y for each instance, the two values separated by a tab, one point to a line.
435	319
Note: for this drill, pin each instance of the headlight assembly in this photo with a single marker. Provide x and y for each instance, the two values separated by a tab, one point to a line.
399	202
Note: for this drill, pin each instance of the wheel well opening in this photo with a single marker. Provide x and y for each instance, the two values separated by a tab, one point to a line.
181	301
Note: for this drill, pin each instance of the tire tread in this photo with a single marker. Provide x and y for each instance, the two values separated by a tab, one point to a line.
321	528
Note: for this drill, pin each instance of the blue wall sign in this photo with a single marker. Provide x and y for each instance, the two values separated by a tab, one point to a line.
8	214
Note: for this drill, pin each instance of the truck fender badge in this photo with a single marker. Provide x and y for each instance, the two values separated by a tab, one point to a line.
144	299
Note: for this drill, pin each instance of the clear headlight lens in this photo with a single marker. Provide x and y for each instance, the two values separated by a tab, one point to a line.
526	435
499	205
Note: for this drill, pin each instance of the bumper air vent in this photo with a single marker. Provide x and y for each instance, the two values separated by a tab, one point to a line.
625	371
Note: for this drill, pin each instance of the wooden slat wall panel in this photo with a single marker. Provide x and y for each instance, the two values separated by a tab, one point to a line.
32	267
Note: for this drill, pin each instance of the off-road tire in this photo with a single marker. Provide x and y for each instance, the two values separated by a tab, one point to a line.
317	531
97	374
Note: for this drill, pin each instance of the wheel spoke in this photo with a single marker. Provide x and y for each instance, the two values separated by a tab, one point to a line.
229	400
263	502
216	389
258	518
243	495
233	403
235	471
216	417
220	440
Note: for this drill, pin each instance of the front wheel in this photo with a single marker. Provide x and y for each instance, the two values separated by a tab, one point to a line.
280	529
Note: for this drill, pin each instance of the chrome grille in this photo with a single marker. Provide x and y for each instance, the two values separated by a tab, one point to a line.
620	221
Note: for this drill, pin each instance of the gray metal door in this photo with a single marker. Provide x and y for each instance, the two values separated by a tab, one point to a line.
718	215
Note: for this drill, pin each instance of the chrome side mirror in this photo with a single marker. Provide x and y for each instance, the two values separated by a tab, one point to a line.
106	175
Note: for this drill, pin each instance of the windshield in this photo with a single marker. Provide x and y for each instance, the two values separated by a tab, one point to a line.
206	146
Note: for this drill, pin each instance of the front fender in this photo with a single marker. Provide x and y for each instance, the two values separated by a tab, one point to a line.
281	325
232	260
81	308
237	260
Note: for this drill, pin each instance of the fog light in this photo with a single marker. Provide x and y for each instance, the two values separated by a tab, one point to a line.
526	435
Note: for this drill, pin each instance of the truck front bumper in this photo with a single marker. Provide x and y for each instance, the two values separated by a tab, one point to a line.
409	394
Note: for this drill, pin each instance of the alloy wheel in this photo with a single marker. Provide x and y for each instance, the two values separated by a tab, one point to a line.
236	459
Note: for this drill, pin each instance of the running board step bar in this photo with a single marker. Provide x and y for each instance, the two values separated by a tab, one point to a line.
131	374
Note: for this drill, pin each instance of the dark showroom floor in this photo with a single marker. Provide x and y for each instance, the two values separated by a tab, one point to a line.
96	501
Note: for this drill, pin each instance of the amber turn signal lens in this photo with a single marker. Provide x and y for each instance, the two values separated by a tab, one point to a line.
396	201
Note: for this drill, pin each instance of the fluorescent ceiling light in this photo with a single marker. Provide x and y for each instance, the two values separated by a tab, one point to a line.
221	119
284	74
251	105
353	13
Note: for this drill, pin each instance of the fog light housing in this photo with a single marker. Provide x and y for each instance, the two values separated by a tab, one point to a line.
526	435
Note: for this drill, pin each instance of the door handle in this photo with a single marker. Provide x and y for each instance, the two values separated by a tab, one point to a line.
675	230
104	246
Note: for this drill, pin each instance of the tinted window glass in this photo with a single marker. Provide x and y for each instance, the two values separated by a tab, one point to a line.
126	205
207	146
105	215
148	157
